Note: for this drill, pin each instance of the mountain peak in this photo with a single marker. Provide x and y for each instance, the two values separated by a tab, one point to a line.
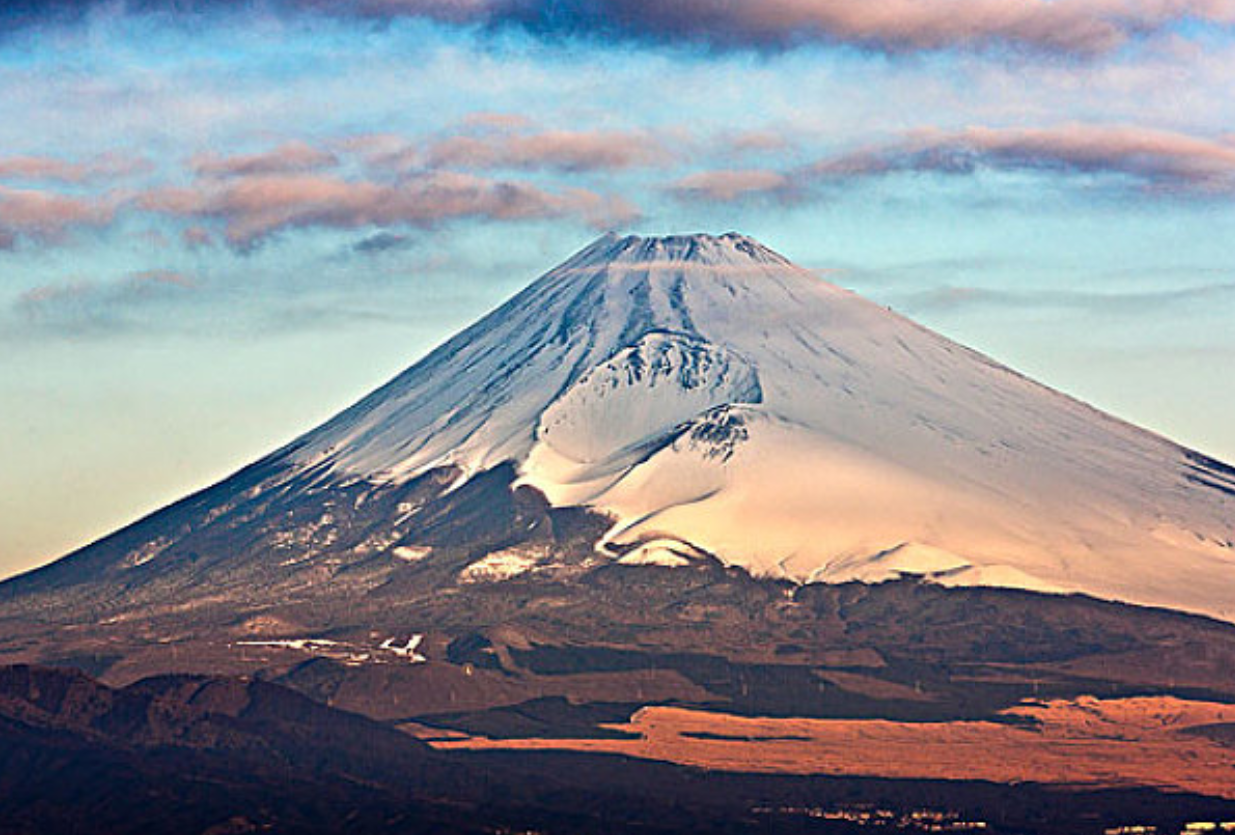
731	248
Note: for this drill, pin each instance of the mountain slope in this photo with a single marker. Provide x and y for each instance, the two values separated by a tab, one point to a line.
698	397
710	396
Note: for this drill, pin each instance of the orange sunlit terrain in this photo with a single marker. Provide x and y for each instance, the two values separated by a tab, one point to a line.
1151	741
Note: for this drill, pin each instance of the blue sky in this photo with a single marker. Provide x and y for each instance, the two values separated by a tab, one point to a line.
220	222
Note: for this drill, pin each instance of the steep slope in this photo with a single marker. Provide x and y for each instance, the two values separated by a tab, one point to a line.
710	396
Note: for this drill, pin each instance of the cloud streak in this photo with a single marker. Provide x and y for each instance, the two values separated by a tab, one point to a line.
1151	157
497	141
561	150
1150	160
103	167
253	209
957	298
292	157
80	306
244	200
47	217
729	185
380	242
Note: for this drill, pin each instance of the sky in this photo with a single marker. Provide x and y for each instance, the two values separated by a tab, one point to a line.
221	222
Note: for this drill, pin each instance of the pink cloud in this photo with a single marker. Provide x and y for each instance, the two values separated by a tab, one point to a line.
491	141
1154	160
731	185
292	157
102	167
496	121
251	209
161	277
756	141
45	216
563	150
1154	157
196	236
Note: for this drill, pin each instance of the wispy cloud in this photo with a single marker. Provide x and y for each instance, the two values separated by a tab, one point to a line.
245	199
292	157
563	150
147	278
956	298
1150	157
501	141
381	242
1147	159
102	167
727	185
754	142
48	217
496	121
85	306
252	209
194	237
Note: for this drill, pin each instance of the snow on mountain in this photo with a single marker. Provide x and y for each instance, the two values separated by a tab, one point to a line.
712	397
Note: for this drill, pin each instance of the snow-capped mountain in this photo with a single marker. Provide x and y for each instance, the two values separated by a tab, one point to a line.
713	398
669	472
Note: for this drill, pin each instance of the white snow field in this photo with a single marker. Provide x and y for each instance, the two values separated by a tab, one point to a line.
705	391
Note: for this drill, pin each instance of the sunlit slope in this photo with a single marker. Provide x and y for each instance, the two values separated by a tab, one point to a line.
706	392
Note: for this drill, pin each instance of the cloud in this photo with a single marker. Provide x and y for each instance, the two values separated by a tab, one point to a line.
755	141
195	237
572	151
80	306
292	157
726	185
383	151
102	167
1152	157
381	242
252	209
1151	160
564	150
496	121
1131	302
1075	27
1065	27
32	300
243	200
47	217
160	277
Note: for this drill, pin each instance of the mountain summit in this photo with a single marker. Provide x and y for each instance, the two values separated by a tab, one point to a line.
706	400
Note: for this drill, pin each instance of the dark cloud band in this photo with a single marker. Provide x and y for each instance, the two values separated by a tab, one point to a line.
1069	27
